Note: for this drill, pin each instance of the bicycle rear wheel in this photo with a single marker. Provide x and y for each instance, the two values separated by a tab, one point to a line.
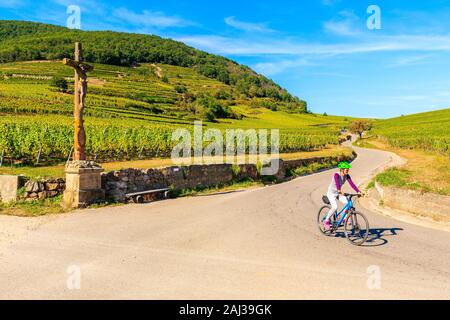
356	228
321	216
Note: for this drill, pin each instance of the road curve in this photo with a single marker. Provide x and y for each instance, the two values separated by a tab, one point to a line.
255	244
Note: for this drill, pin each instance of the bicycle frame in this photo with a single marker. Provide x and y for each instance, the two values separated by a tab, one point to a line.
348	206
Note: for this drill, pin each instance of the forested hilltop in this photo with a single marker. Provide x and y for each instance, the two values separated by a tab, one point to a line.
24	41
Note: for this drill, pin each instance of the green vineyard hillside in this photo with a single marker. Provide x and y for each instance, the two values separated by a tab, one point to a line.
428	131
135	104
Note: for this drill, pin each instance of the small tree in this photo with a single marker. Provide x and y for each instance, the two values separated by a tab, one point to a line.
222	95
59	83
180	88
360	126
210	116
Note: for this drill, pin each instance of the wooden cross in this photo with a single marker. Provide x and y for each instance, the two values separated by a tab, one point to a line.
80	90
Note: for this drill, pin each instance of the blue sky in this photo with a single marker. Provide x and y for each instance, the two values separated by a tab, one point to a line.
320	50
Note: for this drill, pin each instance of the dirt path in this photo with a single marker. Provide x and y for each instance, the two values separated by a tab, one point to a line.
158	70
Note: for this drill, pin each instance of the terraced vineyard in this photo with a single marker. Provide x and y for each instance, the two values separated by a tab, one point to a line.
50	137
131	112
429	131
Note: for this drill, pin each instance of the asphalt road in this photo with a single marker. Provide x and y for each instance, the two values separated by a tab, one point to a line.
255	244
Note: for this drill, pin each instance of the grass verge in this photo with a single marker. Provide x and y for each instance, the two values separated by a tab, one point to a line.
232	186
35	208
424	171
312	168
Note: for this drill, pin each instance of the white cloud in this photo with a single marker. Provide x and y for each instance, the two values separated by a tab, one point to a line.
443	93
276	67
409	98
343	28
86	6
347	24
330	2
412	60
247	26
251	46
150	19
11	4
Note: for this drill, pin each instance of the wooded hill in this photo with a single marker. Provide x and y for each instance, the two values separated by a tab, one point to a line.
24	41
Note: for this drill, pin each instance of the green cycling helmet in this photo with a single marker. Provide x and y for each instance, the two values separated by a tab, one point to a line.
344	165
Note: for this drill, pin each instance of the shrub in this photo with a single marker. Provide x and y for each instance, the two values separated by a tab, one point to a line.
59	83
209	115
222	95
236	171
180	89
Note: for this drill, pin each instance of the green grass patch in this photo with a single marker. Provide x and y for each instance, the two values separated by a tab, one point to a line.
33	208
232	186
396	177
312	168
364	143
371	185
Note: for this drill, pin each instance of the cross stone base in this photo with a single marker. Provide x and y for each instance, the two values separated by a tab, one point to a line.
9	186
83	184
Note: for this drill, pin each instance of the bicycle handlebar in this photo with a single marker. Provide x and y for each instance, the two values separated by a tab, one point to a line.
351	195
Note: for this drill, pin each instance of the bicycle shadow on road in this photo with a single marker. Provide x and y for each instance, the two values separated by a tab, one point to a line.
377	236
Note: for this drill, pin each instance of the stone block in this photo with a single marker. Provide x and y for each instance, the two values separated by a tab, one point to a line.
83	184
32	196
51	185
9	186
34	186
248	171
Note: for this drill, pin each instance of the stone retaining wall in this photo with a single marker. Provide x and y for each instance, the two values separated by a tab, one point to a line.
44	188
118	183
416	202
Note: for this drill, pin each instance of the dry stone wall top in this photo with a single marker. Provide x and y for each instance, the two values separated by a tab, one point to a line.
118	183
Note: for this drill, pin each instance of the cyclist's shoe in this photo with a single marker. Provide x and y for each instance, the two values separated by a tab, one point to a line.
326	225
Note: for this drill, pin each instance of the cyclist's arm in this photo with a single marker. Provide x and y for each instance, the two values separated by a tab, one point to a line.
338	184
352	184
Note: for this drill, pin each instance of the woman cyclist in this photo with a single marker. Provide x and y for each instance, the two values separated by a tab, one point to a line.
334	190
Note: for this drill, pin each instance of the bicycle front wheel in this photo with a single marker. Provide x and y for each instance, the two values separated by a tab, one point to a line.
356	228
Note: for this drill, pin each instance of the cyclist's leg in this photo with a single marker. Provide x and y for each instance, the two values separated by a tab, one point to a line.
333	204
343	199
